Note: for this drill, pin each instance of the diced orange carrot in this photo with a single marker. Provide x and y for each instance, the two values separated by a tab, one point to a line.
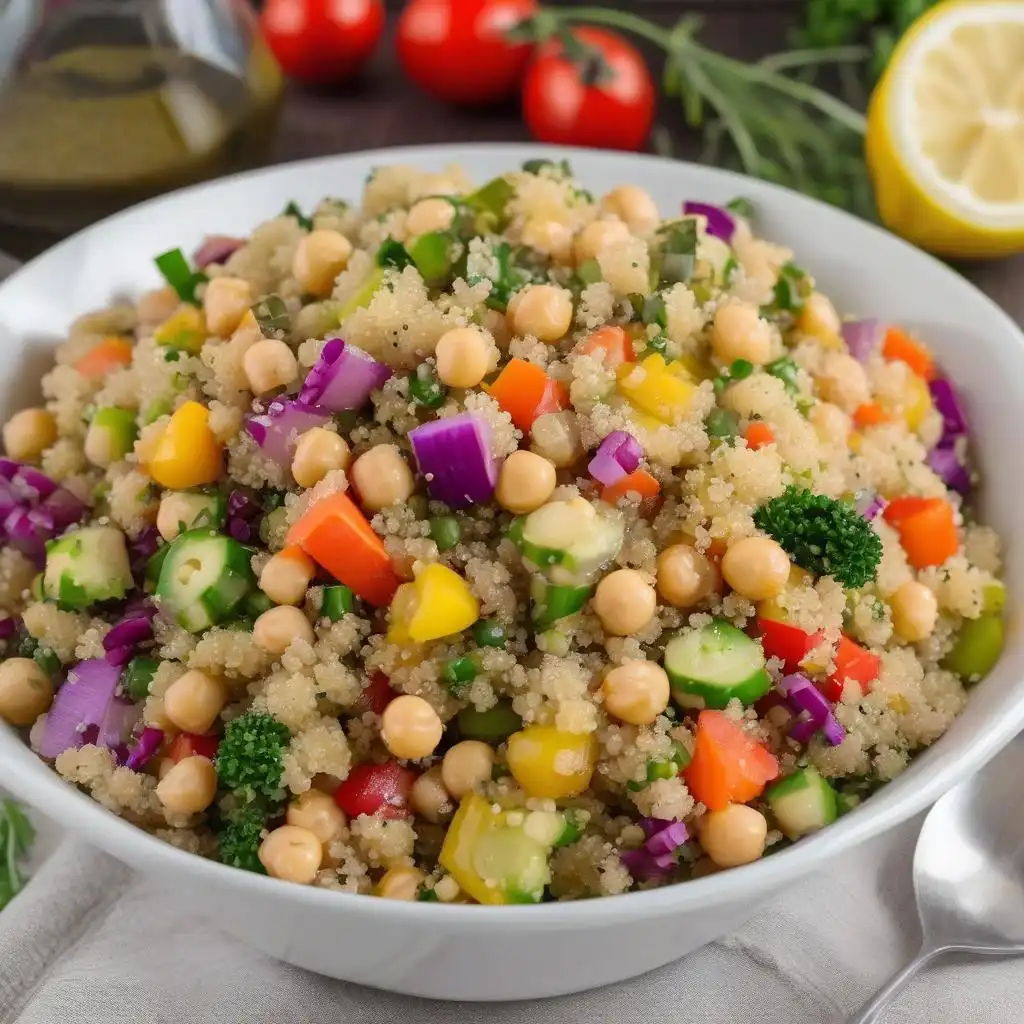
638	482
759	435
105	356
927	529
727	765
870	414
525	392
336	535
898	345
612	343
852	662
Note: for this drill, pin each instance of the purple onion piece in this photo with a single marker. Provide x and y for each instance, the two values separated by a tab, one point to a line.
454	454
244	514
9	626
33	484
945	463
147	744
652	826
802	695
871	505
120	719
9	468
342	378
618	455
803	729
277	431
668	840
833	732
950	407
143	548
862	337
80	706
642	865
721	223
216	249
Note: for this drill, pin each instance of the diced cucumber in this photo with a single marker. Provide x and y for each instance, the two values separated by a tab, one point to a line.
197	510
155	562
430	254
364	296
550	602
846	802
493	726
994	598
204	578
802	803
977	648
570	541
574	825
256	603
556	828
337	602
111	436
138	677
710	666
87	566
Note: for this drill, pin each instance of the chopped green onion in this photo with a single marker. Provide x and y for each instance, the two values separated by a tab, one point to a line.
791	289
458	674
656	345
273	317
679	252
255	603
427	896
589	272
337	602
293	210
654	311
490	202
489	633
445	532
138	677
729	268
538	165
741	206
425	389
47	661
721	424
179	275
429	253
393	254
786	370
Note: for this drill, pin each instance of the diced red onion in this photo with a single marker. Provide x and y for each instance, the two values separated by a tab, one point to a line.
28	530
80	706
862	338
652	826
871	505
803	728
144	748
668	840
8	468
642	864
454	455
950	407
120	719
244	514
277	431
143	548
618	455
833	732
802	695
721	223
216	249
34	509
945	463
121	641
342	378
9	626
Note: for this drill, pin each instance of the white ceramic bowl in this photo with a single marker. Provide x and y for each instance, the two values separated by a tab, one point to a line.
488	953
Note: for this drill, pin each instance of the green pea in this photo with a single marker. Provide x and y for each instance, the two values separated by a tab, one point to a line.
489	633
458	674
425	389
721	424
445	532
741	368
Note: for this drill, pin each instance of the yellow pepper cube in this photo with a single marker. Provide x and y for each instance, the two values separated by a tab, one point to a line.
187	454
551	764
917	402
439	603
662	390
185	330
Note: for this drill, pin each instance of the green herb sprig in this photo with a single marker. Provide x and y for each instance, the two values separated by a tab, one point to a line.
16	838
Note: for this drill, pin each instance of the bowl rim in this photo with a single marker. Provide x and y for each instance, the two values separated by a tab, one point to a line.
67	804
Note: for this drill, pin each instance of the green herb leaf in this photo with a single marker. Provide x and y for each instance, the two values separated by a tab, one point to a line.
273	317
179	275
293	210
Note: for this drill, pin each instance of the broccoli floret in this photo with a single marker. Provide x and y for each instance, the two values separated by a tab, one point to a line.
239	839
822	535
250	757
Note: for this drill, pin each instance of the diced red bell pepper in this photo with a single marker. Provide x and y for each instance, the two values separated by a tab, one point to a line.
852	662
377	694
190	744
381	789
789	643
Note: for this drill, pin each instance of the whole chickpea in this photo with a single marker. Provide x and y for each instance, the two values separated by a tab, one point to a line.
410	728
275	629
756	568
429	798
740	333
400	883
466	767
685	576
27	434
25	691
286	577
624	602
734	836
543	310
525	482
496	324
269	364
463	356
292	853
189	787
634	206
843	381
433	183
597	236
915	611
176	508
317	813
319	452
225	303
831	424
636	692
429	215
319	258
193	701
556	436
549	237
382	477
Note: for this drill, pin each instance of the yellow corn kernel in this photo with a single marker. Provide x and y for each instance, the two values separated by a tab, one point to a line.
549	763
917	402
899	704
439	603
185	330
662	390
187	454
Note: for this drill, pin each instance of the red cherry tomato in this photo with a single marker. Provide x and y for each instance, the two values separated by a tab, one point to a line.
456	50
190	744
376	789
788	643
600	96
322	41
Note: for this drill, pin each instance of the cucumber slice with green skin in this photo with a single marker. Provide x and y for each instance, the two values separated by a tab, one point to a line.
337	602
201	511
111	435
364	296
493	726
846	802
551	602
203	579
802	803
430	254
710	666
515	862
570	541
977	648
138	677
87	566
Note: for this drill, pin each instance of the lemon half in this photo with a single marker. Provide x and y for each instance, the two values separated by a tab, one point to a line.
945	137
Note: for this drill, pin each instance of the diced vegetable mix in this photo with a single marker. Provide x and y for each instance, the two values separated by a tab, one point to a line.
316	606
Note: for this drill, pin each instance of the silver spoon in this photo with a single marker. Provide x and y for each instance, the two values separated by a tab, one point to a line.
969	873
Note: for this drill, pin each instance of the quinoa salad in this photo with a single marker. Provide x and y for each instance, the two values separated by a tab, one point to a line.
489	543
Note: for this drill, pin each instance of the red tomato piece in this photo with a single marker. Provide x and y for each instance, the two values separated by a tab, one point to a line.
376	789
790	643
190	744
852	662
600	94
459	50
377	694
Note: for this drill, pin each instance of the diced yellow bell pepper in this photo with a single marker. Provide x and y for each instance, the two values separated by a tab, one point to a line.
819	320
552	764
187	454
917	402
185	330
439	603
663	390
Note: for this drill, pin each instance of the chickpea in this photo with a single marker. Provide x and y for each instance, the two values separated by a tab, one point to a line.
636	692
275	630
740	333
447	890
685	576
597	236
226	301
756	568
189	787
843	381
525	482
435	183
556	436
549	237
291	853
542	310
634	206
286	577
27	434
734	836
382	477
496	324
175	508
193	701
429	215
317	813
466	767
156	306
400	883
819	316
269	364
624	602
319	258
25	691
410	728
831	424
318	452
463	357
914	611
100	447
429	798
